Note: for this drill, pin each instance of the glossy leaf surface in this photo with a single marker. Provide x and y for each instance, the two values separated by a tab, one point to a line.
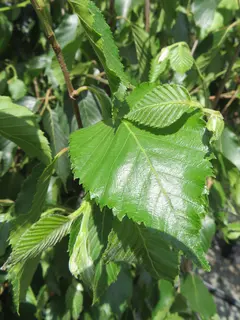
141	176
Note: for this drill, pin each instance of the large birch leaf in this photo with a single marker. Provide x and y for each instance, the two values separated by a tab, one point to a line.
155	177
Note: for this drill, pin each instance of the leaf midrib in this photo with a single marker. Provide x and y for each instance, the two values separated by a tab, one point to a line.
150	164
162	104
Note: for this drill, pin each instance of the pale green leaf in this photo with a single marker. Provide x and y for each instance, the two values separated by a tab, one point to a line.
167	296
156	177
203	12
198	296
87	241
41	235
160	107
19	125
181	59
159	65
100	37
131	243
17	88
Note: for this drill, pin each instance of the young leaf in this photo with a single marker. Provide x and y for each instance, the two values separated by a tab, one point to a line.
161	106
198	296
87	241
43	234
130	243
156	177
58	141
100	37
74	299
17	88
181	59
19	125
159	65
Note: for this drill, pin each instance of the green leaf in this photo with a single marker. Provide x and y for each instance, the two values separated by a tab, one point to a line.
167	296
87	241
6	29
24	221
20	277
233	230
58	141
41	235
19	125
159	64
142	43
181	59
130	243
100	37
160	107
229	146
17	88
7	152
90	110
215	124
207	233
198	296
203	12
229	4
156	177
74	299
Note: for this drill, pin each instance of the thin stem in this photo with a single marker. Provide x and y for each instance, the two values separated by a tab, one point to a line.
147	15
97	78
226	77
111	13
79	90
234	96
46	103
38	6
20	5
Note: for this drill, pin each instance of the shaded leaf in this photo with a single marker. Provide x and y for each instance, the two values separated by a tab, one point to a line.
130	243
19	125
203	12
167	296
17	88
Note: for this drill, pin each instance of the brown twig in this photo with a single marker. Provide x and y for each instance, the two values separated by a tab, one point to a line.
36	88
46	103
230	102
147	15
38	6
226	76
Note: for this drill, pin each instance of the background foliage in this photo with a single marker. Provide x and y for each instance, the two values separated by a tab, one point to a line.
158	81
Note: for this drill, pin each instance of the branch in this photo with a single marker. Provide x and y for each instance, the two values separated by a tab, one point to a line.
147	15
226	77
39	7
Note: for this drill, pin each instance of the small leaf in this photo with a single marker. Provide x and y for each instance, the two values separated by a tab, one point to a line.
203	12
74	299
181	59
17	88
215	124
198	296
19	125
159	64
160	107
